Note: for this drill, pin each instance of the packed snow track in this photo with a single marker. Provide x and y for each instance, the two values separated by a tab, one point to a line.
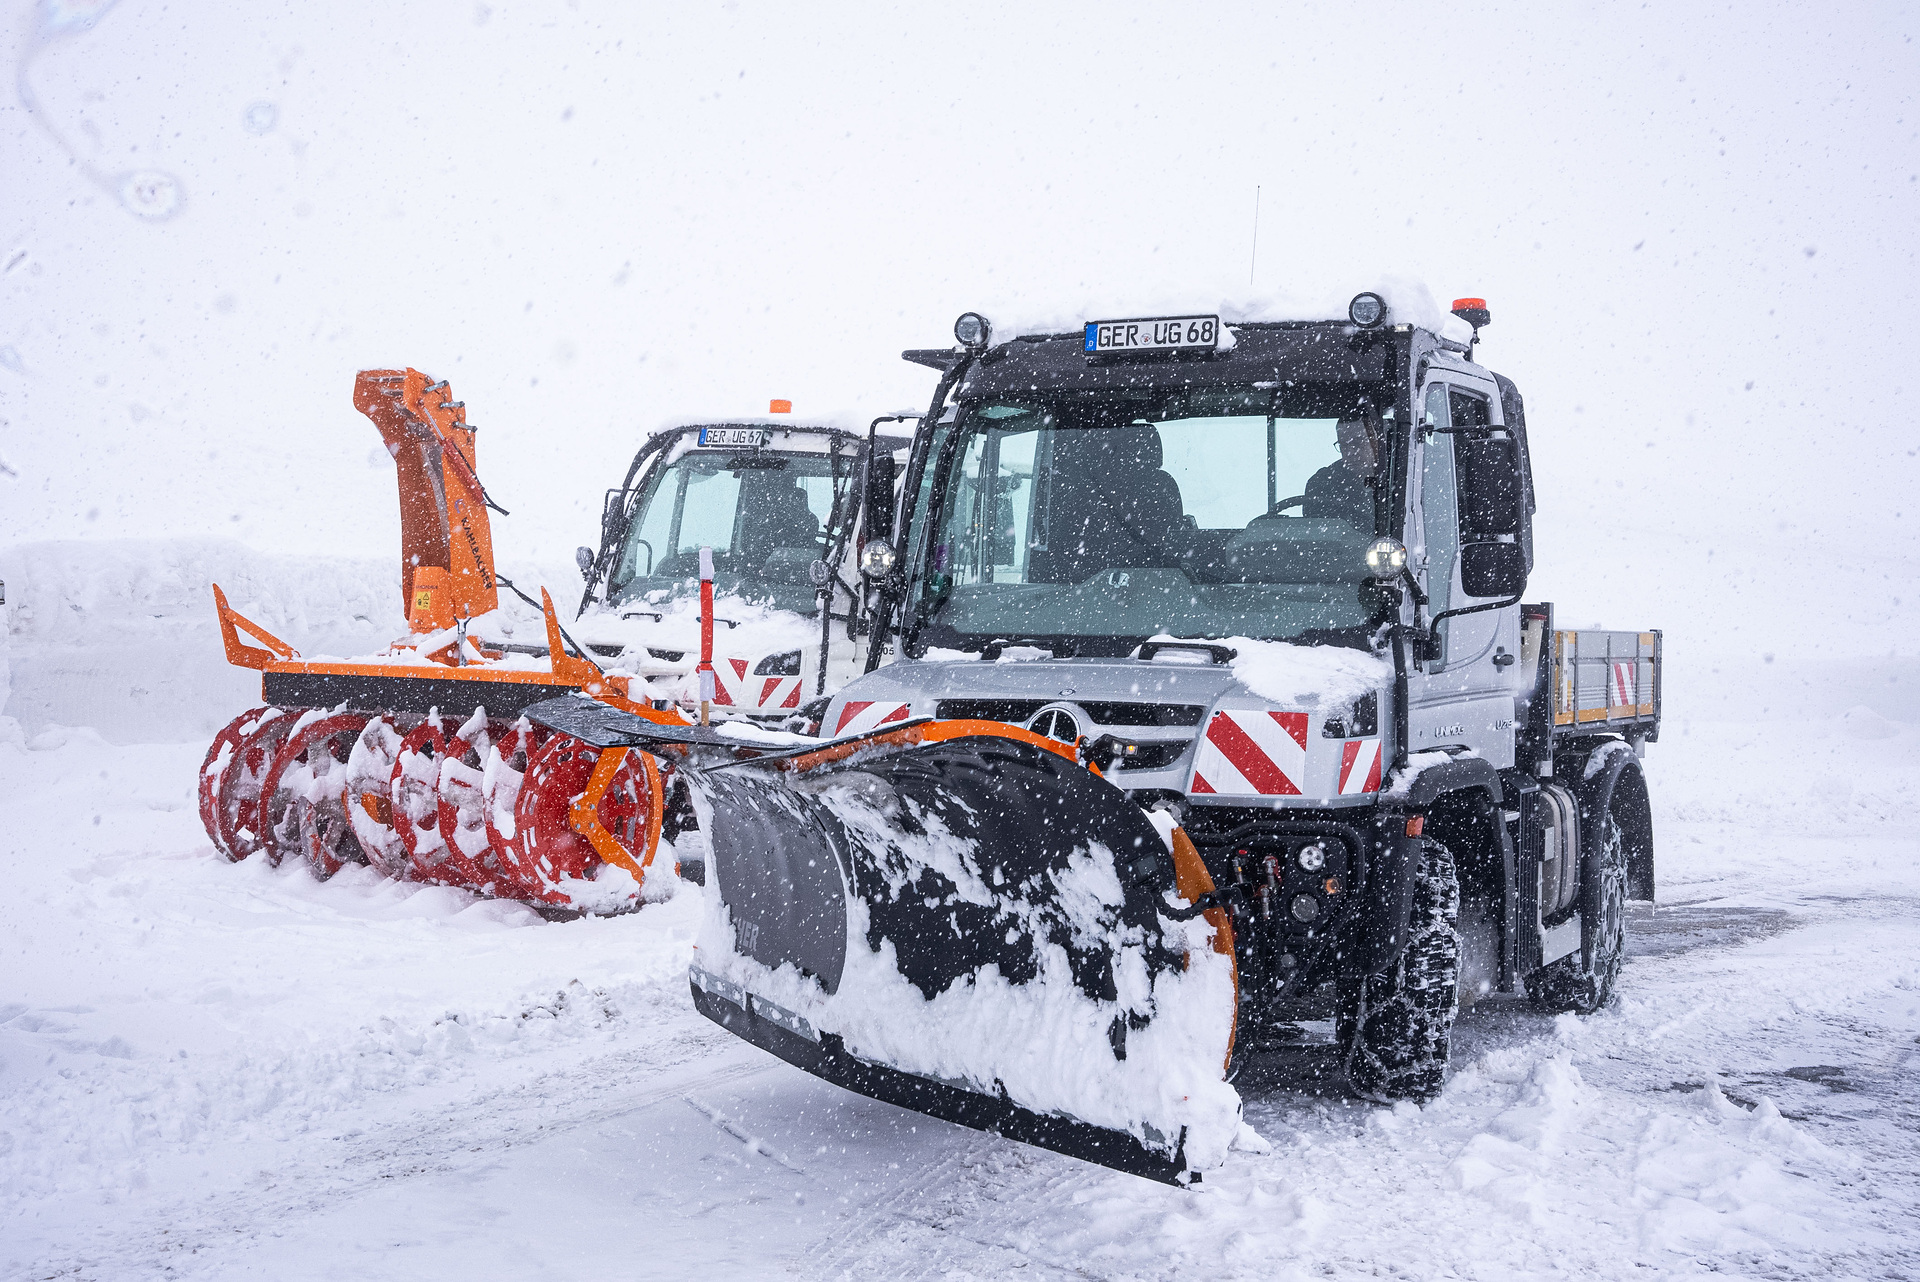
210	1071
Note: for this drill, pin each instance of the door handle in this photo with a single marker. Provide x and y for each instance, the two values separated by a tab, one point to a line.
1502	659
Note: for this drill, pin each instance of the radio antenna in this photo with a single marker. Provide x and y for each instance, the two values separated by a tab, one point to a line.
1255	258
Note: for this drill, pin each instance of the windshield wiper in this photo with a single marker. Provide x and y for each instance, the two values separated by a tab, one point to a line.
1058	647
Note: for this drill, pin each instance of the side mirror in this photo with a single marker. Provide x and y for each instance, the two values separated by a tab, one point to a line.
1493	569
877	498
1491	495
613	509
583	557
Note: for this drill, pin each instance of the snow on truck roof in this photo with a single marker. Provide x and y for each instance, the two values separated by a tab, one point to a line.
782	429
1409	302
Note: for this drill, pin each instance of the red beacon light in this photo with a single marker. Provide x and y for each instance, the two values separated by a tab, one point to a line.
1473	311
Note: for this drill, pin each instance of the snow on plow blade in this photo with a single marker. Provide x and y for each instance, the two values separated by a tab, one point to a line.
957	919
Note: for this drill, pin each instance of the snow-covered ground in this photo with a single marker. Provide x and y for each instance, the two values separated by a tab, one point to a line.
209	1070
1691	224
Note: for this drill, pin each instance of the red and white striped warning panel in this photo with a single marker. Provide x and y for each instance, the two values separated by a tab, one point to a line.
1626	681
857	717
1359	767
734	688
1252	753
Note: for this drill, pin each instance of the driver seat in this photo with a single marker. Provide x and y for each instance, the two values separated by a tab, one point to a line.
781	519
1337	492
1112	506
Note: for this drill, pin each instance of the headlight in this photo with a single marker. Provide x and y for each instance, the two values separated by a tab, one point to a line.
1313	858
779	665
972	330
1367	309
1386	558
877	559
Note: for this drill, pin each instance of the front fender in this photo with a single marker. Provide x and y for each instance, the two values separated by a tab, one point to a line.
1389	900
1389	897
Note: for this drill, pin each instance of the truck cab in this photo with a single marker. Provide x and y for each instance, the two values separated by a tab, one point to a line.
779	504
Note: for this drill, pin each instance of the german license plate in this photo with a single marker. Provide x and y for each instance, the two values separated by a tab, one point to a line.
1156	334
734	437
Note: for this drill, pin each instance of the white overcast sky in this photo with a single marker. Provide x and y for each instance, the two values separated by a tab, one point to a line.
1695	225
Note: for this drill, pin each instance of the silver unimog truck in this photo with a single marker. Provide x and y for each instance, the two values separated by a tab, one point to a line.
1273	576
1203	701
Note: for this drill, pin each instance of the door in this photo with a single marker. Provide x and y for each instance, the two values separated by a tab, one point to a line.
1463	695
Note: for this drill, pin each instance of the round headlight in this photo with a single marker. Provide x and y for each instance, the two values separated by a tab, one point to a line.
1313	858
1367	309
972	330
877	559
1386	558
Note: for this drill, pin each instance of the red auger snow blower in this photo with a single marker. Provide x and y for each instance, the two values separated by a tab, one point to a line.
420	761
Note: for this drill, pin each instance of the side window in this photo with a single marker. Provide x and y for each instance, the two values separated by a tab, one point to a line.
989	507
707	506
917	515
1468	409
1439	501
819	495
648	541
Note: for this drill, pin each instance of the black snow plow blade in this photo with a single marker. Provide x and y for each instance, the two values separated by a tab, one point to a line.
957	919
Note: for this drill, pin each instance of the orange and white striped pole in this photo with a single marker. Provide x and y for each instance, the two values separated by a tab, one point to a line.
705	670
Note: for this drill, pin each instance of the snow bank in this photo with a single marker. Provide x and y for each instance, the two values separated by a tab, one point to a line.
121	634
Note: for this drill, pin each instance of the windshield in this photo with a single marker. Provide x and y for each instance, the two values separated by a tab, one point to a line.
1209	514
767	518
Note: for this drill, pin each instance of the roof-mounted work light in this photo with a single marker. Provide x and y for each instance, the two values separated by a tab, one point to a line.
972	331
1367	309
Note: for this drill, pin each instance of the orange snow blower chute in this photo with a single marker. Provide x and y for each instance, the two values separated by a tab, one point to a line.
446	542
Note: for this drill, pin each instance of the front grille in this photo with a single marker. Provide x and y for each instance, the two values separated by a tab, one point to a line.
1015	712
667	656
1020	711
1143	714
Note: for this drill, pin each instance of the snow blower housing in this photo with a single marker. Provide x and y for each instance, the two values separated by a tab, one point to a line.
1265	581
420	760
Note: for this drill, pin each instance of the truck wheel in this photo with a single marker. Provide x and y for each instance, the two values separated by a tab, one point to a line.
1392	1029
1569	984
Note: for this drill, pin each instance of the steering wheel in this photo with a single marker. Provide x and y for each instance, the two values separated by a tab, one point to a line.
1296	501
